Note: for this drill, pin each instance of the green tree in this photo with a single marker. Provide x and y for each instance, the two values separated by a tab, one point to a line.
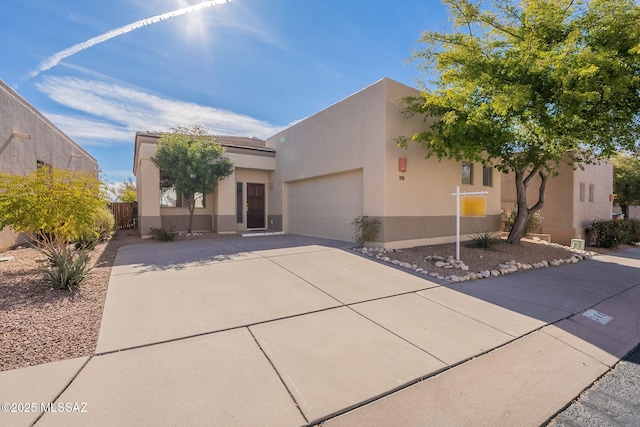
528	86
626	181
127	192
192	162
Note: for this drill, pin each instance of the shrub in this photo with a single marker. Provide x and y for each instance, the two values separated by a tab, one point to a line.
635	231
533	225
611	233
86	243
162	234
104	227
365	229
67	268
104	224
482	241
56	202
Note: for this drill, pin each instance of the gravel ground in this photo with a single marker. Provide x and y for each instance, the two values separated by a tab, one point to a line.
39	324
614	400
527	252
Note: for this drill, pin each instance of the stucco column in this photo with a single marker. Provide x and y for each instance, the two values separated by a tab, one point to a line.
149	199
225	213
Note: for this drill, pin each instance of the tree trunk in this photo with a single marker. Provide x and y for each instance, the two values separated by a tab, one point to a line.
191	204
625	211
524	212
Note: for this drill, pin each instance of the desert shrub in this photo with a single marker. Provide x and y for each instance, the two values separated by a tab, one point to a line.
365	229
104	223
533	225
104	227
483	240
162	234
67	268
634	237
611	233
86	242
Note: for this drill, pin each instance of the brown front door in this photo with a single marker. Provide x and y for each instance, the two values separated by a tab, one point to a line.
255	205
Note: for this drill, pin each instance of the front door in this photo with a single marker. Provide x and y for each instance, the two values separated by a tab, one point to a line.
255	205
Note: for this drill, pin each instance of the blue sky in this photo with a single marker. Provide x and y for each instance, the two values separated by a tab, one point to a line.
245	67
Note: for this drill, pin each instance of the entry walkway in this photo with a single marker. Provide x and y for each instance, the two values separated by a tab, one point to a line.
289	331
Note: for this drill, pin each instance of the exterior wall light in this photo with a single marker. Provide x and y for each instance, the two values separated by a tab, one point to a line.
20	135
402	164
76	155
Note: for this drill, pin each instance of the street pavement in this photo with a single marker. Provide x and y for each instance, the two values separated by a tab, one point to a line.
289	331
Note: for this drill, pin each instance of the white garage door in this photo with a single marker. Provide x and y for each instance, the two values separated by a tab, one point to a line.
325	206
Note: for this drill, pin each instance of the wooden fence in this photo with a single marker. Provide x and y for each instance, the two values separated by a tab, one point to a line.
125	215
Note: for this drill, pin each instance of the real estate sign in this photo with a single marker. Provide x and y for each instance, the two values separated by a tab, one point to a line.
473	206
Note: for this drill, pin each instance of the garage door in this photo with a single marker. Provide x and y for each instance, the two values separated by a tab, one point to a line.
325	206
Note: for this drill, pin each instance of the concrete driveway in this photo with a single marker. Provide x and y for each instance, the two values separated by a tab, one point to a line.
287	331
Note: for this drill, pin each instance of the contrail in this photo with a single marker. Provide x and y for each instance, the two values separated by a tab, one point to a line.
55	59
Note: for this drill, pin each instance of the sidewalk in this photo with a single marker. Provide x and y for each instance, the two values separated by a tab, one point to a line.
285	330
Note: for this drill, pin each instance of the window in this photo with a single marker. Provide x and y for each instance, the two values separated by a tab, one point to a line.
582	191
467	173
239	211
169	198
591	193
487	176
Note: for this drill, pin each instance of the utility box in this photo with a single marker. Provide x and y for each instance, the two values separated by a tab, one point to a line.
577	244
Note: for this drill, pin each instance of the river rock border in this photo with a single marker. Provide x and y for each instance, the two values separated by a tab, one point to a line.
460	271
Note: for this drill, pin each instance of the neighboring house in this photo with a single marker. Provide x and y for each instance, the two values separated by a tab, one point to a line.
573	199
239	202
29	140
318	175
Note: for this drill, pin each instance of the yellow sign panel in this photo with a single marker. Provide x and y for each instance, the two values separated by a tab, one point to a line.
475	206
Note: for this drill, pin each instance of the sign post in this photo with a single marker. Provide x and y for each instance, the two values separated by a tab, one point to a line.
473	206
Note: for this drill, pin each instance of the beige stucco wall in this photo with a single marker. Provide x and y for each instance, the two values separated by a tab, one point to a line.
601	177
415	207
341	138
565	216
46	143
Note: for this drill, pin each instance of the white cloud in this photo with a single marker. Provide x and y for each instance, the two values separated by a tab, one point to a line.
112	113
78	127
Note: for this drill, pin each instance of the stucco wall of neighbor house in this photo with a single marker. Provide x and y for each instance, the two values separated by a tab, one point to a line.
44	143
598	184
219	213
565	215
357	134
